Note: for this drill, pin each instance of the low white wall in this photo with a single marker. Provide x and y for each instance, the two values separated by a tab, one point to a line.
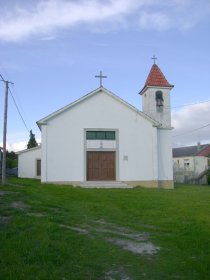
27	162
185	173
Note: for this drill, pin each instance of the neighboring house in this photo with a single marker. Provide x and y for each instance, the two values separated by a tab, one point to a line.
101	137
191	164
29	163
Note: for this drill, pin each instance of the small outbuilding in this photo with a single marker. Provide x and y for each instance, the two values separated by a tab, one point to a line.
29	163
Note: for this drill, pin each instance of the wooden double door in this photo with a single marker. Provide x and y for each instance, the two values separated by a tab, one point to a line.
101	166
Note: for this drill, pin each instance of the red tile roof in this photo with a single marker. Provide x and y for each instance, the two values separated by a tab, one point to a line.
190	151
205	152
156	78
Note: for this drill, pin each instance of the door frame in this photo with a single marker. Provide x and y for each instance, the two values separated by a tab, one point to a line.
36	167
116	150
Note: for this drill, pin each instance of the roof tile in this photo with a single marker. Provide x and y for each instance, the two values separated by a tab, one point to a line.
156	78
202	150
205	152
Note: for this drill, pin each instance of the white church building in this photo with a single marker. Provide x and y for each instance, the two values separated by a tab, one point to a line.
102	138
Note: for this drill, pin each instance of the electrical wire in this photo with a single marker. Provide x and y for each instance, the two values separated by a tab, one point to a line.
18	110
16	105
192	130
186	105
2	78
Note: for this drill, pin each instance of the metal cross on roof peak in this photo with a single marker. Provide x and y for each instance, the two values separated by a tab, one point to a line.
100	77
154	58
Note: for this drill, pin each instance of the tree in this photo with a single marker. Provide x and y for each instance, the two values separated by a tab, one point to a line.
11	159
32	141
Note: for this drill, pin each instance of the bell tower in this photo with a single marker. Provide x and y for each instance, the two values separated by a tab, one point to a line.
156	104
156	97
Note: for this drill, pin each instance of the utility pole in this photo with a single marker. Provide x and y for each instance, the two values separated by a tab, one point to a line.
5	131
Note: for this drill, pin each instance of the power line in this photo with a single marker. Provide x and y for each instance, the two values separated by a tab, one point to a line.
2	78
186	105
192	130
16	105
179	106
18	110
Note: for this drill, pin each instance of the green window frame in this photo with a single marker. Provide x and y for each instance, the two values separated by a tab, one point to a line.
100	135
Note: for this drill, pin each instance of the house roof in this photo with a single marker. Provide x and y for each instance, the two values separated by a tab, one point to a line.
28	150
43	121
198	150
205	152
156	79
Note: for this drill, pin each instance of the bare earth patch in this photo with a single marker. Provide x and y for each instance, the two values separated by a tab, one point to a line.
135	236
117	274
36	214
79	230
135	242
2	193
15	185
54	209
19	205
141	248
103	222
4	220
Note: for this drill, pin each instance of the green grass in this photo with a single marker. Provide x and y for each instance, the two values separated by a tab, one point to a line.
38	247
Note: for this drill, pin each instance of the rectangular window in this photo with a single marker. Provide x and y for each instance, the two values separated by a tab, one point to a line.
186	165
100	135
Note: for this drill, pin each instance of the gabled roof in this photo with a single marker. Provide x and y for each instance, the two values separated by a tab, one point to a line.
156	79
43	121
28	150
198	150
205	152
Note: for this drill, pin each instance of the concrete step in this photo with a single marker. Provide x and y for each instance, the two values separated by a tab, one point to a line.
104	184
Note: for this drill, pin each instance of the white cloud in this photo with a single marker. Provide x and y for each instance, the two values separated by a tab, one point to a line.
186	122
160	20
48	38
52	14
18	146
47	16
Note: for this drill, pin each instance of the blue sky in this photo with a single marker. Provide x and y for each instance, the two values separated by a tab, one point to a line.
52	50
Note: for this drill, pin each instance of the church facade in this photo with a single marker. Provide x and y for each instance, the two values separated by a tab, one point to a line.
102	138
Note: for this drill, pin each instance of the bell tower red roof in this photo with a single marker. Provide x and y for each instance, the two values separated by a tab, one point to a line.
156	78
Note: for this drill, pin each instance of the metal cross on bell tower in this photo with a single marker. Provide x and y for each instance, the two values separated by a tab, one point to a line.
101	77
154	58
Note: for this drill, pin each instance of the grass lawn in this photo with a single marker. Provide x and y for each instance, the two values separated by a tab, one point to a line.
60	232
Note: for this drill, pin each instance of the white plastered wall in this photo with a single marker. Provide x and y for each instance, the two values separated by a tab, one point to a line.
165	161
190	167
63	141
27	159
149	105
